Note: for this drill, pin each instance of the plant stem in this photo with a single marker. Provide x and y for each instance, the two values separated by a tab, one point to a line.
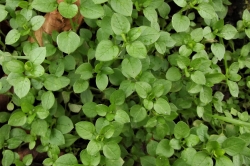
230	120
34	37
20	57
72	25
1	43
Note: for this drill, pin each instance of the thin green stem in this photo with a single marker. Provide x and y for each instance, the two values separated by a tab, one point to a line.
20	57
2	44
34	37
72	25
2	33
230	120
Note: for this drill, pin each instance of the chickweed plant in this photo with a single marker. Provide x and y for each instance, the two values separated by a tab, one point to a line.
139	82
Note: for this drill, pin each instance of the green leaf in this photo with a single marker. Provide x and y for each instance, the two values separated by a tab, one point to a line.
48	99
117	97
180	22
233	88
161	106
4	117
94	147
134	33
3	13
218	50
143	89
128	87
233	145
162	161
164	149
86	70
88	159
173	74
123	7
99	1
214	78
181	3
181	130
67	10
80	86
107	131
122	117
85	129
67	159
102	81
37	22
64	124
228	32
150	13
201	158
56	137
12	37
192	140
37	55
68	41
57	67
89	109
131	67
206	95
91	10
198	77
116	162
137	49
206	11
138	113
28	159
8	157
53	83
69	62
22	87
120	24
15	66
183	62
106	51
17	118
223	161
147	160
148	35
112	151
45	6
39	127
163	42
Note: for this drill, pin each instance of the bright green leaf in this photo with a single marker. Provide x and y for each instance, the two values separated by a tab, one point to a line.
106	51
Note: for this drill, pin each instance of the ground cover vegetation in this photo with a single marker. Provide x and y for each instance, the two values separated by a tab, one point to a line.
124	82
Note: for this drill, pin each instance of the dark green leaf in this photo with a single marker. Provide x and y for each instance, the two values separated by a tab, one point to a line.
181	130
164	149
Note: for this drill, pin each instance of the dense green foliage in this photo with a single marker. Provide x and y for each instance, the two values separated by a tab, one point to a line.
142	82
